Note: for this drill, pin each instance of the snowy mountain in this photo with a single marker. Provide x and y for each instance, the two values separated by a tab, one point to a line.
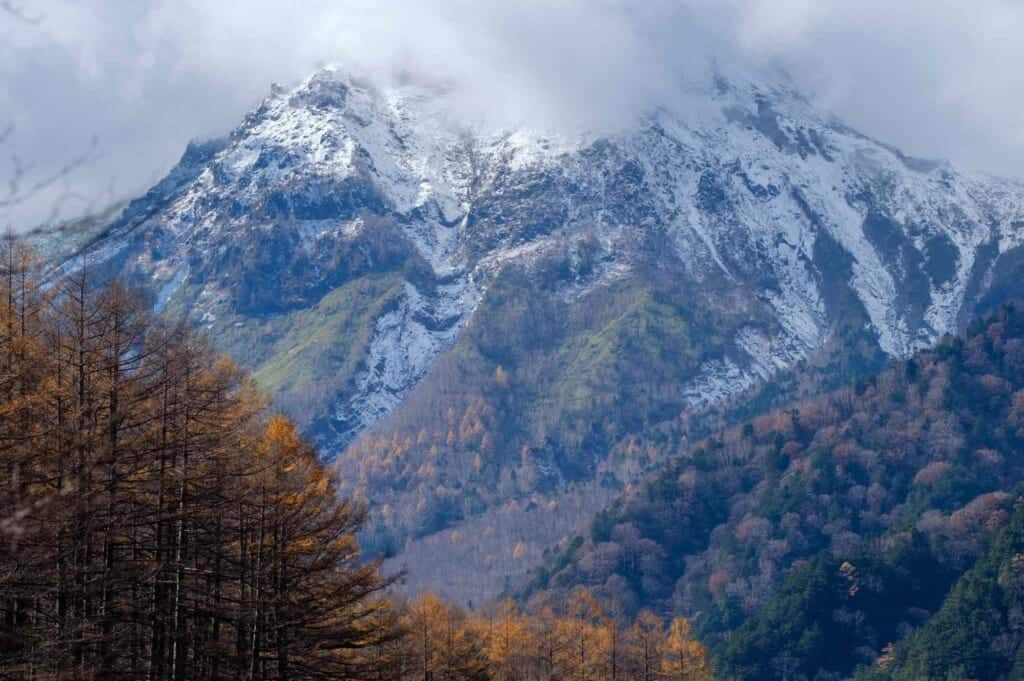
345	237
753	191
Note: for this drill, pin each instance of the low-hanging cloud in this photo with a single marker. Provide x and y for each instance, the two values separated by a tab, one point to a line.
935	77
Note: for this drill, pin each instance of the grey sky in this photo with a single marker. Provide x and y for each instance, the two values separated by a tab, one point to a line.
939	78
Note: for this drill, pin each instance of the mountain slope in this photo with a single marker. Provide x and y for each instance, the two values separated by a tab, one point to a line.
464	294
925	456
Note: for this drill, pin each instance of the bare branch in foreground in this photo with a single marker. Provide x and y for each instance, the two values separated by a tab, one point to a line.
19	12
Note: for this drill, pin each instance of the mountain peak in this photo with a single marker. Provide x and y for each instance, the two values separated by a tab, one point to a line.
353	243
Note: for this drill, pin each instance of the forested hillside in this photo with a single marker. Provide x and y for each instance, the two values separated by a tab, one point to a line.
923	458
977	634
833	615
536	395
542	403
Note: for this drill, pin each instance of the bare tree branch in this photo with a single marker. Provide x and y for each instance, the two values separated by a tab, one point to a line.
18	192
19	12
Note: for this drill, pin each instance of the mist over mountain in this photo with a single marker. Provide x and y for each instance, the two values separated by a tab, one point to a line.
144	78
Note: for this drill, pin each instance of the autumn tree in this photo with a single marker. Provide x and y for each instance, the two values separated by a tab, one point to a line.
580	660
508	641
549	637
684	658
156	522
645	642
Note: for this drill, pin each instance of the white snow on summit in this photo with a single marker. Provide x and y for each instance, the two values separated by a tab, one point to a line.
748	184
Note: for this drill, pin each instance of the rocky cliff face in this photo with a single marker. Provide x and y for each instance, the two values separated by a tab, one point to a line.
346	239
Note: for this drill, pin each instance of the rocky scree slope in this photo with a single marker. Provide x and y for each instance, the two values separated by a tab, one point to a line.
469	317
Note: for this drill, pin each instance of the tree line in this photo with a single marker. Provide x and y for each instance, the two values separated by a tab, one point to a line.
575	639
156	521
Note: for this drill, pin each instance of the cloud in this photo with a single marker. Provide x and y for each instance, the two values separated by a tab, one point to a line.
935	77
940	78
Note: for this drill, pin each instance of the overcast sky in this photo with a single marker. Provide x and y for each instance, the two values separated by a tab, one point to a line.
938	78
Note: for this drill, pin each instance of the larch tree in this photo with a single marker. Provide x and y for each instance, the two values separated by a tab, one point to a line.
645	641
684	658
156	522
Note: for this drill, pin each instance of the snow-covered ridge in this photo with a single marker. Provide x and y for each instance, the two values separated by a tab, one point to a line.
753	188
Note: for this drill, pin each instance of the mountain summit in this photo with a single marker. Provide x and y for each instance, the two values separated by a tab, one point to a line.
468	318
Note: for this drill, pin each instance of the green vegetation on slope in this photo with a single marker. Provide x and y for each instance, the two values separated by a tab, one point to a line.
306	357
560	378
321	348
978	633
831	615
539	392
